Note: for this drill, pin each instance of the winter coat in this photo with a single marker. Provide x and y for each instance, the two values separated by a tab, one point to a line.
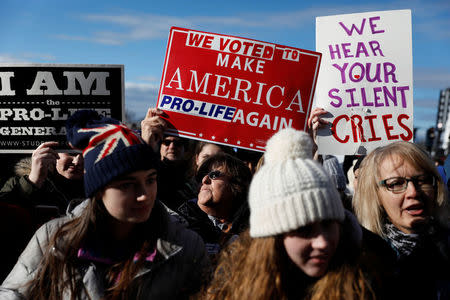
427	268
214	235
174	272
32	207
56	192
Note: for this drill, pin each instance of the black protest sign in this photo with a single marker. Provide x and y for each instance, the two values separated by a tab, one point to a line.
37	99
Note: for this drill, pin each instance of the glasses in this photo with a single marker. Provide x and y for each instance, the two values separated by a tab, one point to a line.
400	184
176	143
213	175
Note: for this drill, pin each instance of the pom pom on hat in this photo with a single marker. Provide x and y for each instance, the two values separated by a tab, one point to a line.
291	190
288	144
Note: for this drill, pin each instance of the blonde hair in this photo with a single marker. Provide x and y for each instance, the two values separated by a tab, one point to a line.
366	204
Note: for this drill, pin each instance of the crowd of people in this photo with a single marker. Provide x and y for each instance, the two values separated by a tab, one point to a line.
143	214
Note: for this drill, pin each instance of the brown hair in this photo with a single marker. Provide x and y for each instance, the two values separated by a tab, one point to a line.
240	178
368	208
199	145
58	271
259	268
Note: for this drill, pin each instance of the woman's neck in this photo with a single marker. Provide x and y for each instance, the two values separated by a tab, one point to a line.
120	231
215	212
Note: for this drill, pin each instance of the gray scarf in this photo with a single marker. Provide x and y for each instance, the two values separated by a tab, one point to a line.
404	244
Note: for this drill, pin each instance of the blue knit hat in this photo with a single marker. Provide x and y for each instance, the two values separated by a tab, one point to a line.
110	149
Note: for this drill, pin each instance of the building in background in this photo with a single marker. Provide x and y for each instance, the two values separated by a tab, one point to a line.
439	136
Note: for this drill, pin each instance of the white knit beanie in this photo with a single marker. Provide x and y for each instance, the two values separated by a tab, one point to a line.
291	190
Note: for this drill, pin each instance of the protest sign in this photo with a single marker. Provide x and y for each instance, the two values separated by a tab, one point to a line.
365	80
37	99
234	91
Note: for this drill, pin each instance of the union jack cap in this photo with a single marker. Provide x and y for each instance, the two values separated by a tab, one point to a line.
110	136
110	149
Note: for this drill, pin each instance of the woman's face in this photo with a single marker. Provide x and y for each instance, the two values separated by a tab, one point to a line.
207	151
130	198
409	208
312	247
215	197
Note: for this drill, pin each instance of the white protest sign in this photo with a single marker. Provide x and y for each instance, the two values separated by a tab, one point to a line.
365	80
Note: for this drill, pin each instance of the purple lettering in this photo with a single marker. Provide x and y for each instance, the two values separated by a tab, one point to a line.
342	70
364	98
392	96
374	45
350	32
356	77
377	75
376	90
361	48
352	99
335	97
402	90
332	51
372	25
388	72
346	50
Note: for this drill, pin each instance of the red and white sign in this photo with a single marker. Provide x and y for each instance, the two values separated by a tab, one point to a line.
235	91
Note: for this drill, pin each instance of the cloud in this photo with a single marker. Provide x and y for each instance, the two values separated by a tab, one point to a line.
25	58
97	38
8	58
141	86
125	28
139	97
132	27
149	78
430	18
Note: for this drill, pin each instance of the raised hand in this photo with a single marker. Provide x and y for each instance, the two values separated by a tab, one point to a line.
153	127
43	159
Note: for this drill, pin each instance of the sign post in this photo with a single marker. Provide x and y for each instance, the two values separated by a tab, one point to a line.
235	91
365	81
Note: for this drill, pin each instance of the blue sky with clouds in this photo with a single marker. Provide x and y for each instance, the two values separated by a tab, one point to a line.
134	33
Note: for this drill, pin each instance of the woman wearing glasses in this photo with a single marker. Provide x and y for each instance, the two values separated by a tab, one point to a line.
220	210
401	197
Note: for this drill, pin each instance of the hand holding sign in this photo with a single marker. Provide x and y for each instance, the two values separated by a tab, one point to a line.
315	122
153	127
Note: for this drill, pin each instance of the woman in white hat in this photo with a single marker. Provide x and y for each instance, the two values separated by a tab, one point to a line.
302	244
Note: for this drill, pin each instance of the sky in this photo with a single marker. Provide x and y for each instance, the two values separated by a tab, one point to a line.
134	33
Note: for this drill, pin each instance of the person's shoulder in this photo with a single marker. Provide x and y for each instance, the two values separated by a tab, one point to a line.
179	232
49	228
374	243
9	185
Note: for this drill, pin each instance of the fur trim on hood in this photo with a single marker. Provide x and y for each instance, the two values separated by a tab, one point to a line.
23	167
